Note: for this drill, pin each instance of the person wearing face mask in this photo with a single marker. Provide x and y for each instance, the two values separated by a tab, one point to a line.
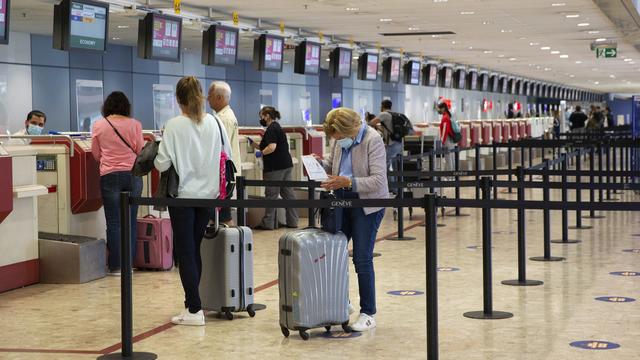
278	165
357	169
34	125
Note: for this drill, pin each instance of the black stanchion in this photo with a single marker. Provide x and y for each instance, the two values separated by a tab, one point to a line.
494	166
431	230
311	195
477	168
531	161
608	164
509	190
522	250
457	212
565	213
615	165
487	286
126	290
600	168
592	194
241	213
578	180
546	220
400	195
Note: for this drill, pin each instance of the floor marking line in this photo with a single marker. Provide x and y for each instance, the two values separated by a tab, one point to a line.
50	351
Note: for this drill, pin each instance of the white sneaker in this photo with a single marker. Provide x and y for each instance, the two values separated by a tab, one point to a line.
351	309
364	323
113	273
187	318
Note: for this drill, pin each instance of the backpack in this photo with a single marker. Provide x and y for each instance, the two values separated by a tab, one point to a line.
400	126
455	126
227	171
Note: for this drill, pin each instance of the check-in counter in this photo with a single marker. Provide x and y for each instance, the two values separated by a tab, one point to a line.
19	192
73	205
515	130
295	148
522	128
497	131
475	130
506	131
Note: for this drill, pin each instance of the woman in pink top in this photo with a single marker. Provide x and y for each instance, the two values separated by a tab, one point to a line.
116	141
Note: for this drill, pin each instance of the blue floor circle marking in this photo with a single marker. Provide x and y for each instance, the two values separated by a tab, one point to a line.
340	335
405	293
635	251
595	345
448	269
625	273
615	299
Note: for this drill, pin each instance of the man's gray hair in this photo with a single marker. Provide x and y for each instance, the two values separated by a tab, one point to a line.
221	88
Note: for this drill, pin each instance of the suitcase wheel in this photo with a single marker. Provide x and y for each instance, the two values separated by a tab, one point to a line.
304	335
250	310
228	314
328	328
346	328
285	331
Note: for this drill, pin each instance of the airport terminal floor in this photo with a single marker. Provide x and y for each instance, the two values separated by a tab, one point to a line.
82	321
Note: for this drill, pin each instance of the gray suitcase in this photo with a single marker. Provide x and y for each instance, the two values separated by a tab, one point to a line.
226	284
313	281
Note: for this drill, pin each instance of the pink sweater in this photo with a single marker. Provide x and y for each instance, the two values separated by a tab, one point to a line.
109	150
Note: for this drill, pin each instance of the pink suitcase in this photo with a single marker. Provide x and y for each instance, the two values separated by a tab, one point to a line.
154	245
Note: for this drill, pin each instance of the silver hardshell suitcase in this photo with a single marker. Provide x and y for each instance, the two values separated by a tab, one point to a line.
313	281
226	284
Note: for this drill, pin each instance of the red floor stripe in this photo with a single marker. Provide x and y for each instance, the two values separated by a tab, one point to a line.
49	351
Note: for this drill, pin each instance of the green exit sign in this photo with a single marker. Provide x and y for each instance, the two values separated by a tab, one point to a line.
606	52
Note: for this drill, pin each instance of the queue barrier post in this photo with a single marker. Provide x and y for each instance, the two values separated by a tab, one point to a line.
509	165
487	286
241	189
494	166
608	165
592	193
400	195
477	168
578	192
546	221
565	213
457	212
126	289
431	258
311	195
522	256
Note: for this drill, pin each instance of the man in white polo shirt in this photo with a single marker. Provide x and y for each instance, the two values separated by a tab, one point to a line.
219	97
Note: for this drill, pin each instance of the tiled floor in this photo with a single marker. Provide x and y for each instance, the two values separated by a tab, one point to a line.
547	318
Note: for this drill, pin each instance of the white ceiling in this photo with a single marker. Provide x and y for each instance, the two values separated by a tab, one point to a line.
500	35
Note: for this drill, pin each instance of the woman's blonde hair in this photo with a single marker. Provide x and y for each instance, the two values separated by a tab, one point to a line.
343	121
189	95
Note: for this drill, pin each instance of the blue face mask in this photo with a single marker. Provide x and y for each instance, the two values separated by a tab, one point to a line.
34	129
345	143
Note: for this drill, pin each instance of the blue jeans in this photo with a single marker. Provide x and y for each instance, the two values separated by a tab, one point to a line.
189	225
111	186
362	229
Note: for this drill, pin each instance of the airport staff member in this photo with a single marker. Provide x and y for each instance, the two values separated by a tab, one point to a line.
357	170
278	165
34	124
219	97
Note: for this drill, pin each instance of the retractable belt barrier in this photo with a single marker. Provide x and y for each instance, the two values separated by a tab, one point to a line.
430	204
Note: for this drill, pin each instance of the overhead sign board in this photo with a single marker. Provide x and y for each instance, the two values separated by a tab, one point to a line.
606	52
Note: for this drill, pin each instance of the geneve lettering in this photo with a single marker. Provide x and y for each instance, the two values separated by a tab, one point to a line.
416	184
341	203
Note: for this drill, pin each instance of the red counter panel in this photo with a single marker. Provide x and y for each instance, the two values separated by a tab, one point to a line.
6	187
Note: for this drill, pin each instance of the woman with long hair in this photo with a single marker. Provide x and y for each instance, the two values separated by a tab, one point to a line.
192	143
